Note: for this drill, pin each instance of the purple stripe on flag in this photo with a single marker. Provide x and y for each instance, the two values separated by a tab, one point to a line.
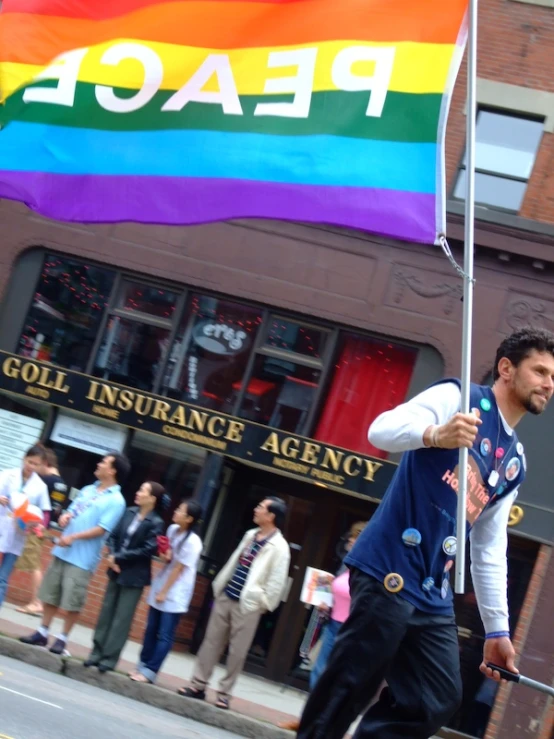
397	214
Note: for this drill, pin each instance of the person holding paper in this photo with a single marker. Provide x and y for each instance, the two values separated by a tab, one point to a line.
338	613
401	624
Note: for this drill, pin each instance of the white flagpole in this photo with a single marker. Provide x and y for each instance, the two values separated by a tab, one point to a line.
468	286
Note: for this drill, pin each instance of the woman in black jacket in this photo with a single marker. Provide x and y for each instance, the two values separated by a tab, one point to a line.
133	543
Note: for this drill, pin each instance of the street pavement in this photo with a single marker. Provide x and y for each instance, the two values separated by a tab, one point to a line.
35	704
253	696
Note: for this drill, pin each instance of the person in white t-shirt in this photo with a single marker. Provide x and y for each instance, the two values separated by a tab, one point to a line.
171	590
24	480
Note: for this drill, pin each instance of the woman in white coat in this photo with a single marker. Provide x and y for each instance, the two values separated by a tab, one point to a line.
13	482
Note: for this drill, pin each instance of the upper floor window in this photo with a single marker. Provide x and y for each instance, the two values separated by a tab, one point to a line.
505	153
281	388
66	312
210	353
137	335
136	298
370	376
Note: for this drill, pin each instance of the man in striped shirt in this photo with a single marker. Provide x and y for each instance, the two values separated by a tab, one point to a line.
250	583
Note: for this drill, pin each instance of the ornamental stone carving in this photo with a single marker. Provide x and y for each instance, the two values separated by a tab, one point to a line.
425	284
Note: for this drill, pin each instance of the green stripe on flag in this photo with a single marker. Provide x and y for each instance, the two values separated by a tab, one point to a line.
406	117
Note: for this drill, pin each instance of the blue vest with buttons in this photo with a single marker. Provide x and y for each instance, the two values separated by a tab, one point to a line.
422	496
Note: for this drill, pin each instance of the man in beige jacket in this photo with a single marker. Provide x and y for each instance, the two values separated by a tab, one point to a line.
250	583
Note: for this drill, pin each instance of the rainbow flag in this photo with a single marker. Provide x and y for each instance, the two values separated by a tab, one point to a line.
191	111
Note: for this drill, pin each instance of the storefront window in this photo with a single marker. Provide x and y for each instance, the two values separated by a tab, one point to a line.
131	352
174	464
153	301
291	336
209	357
280	393
66	312
370	377
21	424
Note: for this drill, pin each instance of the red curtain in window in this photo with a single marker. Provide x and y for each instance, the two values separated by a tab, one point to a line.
370	377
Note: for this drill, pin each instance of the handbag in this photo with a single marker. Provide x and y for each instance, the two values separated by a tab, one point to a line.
163	544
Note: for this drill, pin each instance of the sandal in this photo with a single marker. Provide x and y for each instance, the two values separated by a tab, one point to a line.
222	703
140	678
30	611
187	692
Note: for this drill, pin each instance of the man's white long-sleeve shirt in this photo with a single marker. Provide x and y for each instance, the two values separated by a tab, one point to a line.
402	429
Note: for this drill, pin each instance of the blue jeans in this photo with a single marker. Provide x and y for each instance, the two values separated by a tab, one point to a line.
6	567
330	631
158	640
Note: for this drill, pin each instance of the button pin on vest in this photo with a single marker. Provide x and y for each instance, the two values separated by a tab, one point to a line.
486	447
449	546
393	582
411	537
428	584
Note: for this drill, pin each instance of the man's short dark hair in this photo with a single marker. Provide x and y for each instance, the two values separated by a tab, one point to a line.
121	465
278	507
519	345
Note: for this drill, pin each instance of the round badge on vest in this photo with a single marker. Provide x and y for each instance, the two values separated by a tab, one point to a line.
486	447
449	546
524	460
501	488
411	538
512	469
445	586
499	453
485	404
519	448
393	582
428	584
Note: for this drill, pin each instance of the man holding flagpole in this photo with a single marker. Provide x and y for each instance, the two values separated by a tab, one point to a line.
401	625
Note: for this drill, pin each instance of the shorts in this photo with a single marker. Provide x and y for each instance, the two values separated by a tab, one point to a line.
31	559
65	586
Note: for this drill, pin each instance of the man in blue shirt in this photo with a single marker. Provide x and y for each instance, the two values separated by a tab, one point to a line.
87	522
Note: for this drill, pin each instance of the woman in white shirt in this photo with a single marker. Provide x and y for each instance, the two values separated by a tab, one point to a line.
171	590
24	480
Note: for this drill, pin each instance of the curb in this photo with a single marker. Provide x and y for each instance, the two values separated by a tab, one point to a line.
152	695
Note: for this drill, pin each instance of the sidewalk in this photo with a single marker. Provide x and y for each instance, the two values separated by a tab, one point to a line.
253	696
257	707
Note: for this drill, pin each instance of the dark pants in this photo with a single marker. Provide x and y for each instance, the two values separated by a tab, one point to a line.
158	640
114	623
385	637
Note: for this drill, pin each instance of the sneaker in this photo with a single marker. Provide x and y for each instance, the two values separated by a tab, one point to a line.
59	647
36	639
